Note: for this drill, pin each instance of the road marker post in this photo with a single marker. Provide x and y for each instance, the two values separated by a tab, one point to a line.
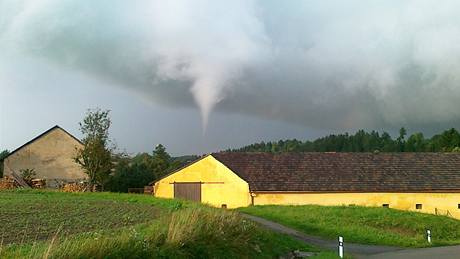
340	247
428	235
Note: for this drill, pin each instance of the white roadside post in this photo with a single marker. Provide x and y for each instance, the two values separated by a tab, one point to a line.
428	235
340	247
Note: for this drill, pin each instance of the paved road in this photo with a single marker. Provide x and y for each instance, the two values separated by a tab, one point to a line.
356	249
445	252
364	251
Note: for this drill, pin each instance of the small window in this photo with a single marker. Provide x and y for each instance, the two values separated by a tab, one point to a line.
459	206
224	206
386	205
418	206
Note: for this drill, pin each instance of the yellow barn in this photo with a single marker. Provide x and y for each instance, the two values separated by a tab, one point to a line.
424	182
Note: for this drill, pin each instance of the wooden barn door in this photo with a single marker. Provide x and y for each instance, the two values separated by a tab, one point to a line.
188	191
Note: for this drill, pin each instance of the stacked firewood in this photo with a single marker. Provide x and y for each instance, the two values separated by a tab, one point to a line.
75	187
38	183
7	183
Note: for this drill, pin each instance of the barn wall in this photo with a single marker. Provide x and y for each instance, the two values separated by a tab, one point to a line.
220	185
51	156
442	202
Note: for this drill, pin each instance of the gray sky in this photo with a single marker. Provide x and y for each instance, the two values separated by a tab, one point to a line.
199	76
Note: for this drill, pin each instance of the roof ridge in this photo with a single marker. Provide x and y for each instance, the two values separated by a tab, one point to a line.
41	135
330	152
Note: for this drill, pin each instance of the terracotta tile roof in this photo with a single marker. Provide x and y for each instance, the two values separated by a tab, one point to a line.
346	172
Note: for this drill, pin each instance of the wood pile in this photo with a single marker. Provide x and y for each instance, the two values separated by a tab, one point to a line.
7	183
18	180
75	187
38	183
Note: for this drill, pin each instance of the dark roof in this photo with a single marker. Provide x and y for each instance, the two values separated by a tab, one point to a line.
346	172
41	135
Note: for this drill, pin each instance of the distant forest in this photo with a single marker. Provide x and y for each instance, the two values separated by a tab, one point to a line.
362	141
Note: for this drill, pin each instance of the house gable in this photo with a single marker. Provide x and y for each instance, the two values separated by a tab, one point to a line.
220	186
50	155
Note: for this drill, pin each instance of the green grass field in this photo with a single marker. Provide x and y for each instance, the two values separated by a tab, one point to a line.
46	224
364	225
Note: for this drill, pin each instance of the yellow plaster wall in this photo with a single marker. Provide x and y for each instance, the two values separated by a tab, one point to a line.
443	202
221	185
234	192
51	156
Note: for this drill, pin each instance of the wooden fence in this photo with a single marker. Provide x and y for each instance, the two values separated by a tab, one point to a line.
146	190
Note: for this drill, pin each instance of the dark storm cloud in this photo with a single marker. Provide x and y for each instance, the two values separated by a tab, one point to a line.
323	64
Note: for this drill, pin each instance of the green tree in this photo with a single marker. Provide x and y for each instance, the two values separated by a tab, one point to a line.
3	155
142	169
162	162
401	139
415	143
95	157
449	140
130	174
388	144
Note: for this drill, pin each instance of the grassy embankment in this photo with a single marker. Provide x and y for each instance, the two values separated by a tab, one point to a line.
44	224
364	225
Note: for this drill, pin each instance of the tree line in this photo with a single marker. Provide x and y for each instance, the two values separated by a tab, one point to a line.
141	170
362	141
